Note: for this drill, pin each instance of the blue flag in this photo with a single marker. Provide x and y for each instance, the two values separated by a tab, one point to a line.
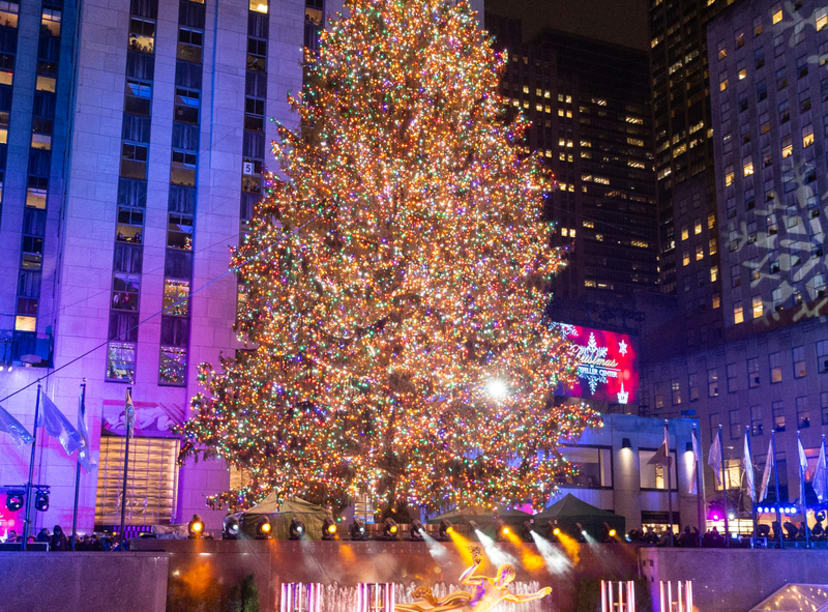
85	452
13	427
58	426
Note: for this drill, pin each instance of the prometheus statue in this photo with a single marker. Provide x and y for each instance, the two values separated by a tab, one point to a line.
487	593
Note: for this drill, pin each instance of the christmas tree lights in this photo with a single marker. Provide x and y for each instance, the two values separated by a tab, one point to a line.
395	282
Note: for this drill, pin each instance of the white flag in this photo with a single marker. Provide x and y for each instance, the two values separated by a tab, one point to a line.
85	452
13	427
821	474
662	455
763	493
696	458
714	457
748	465
803	460
58	426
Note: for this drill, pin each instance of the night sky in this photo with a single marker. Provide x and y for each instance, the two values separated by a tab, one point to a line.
622	22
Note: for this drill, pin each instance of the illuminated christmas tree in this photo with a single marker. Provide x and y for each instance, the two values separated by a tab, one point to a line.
395	278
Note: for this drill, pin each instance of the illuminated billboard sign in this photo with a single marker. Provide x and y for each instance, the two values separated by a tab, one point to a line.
606	365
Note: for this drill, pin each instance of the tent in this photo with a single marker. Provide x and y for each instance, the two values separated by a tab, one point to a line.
570	511
486	519
280	515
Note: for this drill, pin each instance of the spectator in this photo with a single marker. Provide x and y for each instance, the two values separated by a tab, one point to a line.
58	541
12	537
43	536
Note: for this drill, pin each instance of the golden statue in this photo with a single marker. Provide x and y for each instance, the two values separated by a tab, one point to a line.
488	592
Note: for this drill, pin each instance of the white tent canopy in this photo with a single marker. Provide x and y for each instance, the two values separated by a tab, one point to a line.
796	597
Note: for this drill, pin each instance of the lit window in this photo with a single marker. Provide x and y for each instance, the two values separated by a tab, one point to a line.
730	175
25	324
697	229
821	18
41	141
572	233
45	84
175	297
776	15
758	306
546	94
722	51
36	198
538	93
635	141
747	165
6	76
712	246
685	233
738	314
742	74
807	136
539	108
569	100
711	220
50	20
714	273
717	300
723	84
787	150
699	253
259	6
8	14
172	366
685	259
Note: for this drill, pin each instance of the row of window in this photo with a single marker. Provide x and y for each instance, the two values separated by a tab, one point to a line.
594	467
39	167
132	192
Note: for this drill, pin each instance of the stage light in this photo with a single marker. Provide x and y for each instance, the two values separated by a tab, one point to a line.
731	517
14	500
612	533
297	529
390	529
416	531
263	528
328	529
231	528
41	501
195	528
445	530
526	532
503	530
358	531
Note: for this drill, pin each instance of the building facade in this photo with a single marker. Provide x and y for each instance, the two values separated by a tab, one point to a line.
589	106
134	145
768	372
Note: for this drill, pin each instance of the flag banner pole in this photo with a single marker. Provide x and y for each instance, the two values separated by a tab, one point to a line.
699	486
751	481
803	465
127	418
82	408
778	500
669	484
724	487
27	522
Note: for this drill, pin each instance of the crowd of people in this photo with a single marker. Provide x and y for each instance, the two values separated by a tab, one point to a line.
59	541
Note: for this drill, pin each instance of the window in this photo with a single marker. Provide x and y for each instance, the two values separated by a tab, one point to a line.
172	366
675	390
714	273
803	414
757	306
693	385
716	301
655	476
175	297
775	361
713	382
152	482
730	175
753	372
738	313
807	136
712	246
778	414
747	164
120	362
823	403
593	465
685	233
685	259
820	18
776	14
735	423
822	356
732	375
799	368
756	415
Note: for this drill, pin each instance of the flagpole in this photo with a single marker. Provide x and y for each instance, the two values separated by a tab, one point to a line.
78	473
753	480
27	523
669	484
724	486
699	486
126	468
778	500
803	504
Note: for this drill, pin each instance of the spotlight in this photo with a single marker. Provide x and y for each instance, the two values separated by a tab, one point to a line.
328	529
41	501
297	529
556	531
231	528
14	500
263	528
503	530
416	531
552	529
358	531
390	529
195	528
612	533
445	530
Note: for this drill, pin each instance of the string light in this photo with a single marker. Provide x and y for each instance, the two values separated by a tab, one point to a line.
375	335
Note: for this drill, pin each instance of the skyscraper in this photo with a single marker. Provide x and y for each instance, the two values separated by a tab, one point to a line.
134	144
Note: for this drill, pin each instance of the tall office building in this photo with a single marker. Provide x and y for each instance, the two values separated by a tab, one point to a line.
134	138
769	98
687	225
588	102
